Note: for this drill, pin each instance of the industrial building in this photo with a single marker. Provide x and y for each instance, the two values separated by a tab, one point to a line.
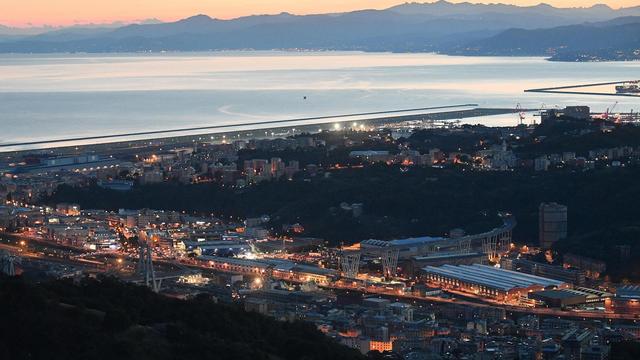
574	276
489	242
626	300
406	248
552	224
489	281
82	164
593	268
414	266
573	112
281	269
217	248
563	298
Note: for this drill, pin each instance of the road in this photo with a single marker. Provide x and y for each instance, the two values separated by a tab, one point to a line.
509	308
26	252
482	303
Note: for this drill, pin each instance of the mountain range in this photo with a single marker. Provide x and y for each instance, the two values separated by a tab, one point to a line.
463	28
617	39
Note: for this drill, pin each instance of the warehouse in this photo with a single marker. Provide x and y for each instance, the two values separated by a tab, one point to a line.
281	269
489	281
626	300
564	298
414	266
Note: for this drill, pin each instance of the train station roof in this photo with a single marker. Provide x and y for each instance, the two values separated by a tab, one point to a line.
417	241
491	277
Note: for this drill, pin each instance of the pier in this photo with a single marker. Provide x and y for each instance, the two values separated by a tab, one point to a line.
559	90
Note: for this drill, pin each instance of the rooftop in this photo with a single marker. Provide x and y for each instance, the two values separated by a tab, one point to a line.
402	242
629	291
492	277
276	264
368	153
559	294
447	256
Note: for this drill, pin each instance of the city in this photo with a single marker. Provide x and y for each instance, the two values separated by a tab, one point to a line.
319	180
450	295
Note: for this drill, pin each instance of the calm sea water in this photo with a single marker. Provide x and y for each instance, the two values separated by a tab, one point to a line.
59	96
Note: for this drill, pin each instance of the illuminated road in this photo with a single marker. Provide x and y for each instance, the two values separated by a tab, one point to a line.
509	308
439	300
30	254
482	302
26	252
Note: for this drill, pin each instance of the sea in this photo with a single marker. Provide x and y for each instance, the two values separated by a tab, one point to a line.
44	97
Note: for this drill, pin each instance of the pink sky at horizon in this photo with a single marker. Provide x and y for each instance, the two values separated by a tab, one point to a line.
25	13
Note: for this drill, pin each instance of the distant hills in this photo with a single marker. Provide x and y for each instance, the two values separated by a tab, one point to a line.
465	28
618	39
16	33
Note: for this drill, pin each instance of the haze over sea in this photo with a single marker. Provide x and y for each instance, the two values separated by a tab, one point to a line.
61	96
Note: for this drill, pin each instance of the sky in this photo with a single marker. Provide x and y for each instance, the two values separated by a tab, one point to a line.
24	13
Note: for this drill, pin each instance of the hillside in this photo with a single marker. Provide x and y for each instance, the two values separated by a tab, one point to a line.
618	39
467	29
106	319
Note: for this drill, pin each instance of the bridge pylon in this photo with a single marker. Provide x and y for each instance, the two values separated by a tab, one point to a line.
350	264
145	266
390	263
8	263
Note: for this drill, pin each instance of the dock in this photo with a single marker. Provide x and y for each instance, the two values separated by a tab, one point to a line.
562	90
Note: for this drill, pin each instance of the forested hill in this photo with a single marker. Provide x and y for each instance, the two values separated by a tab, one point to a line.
106	319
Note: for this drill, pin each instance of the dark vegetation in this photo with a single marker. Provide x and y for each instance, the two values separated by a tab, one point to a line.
469	140
576	136
626	350
335	151
305	156
396	204
107	319
423	201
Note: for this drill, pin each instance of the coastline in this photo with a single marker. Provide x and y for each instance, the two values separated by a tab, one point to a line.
599	57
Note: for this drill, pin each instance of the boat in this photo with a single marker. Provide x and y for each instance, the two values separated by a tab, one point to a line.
631	87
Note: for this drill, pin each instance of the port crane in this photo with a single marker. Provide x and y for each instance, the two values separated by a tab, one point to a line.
521	114
609	111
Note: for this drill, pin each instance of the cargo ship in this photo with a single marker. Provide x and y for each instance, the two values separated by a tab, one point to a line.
631	87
